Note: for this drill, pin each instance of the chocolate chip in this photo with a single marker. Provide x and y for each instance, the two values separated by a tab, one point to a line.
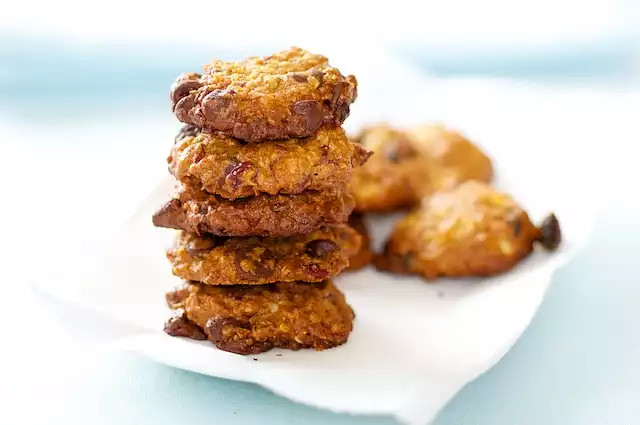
184	85
187	131
517	227
310	110
341	113
183	107
335	94
399	150
320	248
252	269
301	78
551	235
162	217
392	155
237	339
215	326
217	104
179	325
201	246
234	172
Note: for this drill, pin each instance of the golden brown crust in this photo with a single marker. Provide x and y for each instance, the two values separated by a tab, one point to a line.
410	165
460	158
288	94
195	211
258	260
397	176
232	169
363	256
253	319
470	230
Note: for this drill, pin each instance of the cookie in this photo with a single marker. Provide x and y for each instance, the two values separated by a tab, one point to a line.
196	211
233	169
289	94
470	230
255	260
397	176
363	256
457	155
245	319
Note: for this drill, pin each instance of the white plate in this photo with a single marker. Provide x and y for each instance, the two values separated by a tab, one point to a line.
414	344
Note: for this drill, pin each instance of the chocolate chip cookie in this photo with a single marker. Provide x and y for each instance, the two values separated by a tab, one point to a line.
232	169
256	260
397	176
252	319
470	230
363	256
198	212
289	94
460	159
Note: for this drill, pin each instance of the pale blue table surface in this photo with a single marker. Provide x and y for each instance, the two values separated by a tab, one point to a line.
577	364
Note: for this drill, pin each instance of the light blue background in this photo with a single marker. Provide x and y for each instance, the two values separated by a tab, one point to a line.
577	364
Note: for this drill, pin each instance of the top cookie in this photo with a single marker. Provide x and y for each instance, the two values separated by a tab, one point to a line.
288	94
227	167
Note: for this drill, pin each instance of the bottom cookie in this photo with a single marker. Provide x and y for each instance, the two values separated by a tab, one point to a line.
254	319
363	256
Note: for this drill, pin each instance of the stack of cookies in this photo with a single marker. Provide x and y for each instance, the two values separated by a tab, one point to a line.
263	169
